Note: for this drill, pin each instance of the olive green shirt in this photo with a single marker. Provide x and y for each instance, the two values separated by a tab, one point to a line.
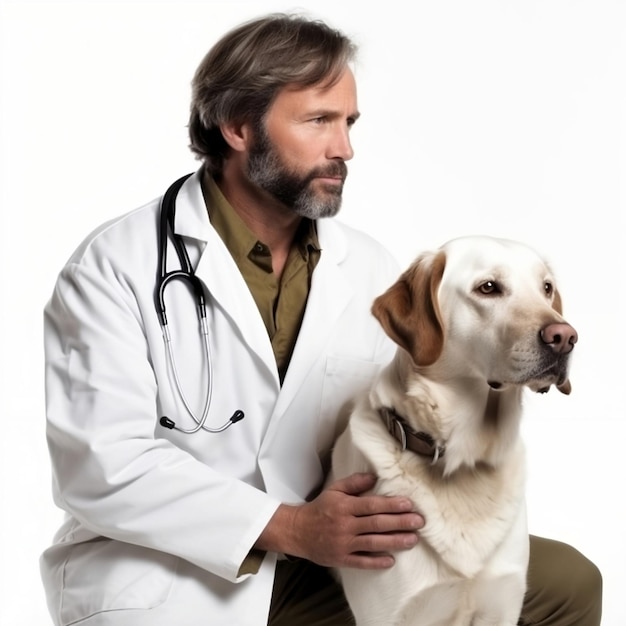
281	302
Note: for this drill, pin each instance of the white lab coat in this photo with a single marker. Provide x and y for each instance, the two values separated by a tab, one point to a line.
145	503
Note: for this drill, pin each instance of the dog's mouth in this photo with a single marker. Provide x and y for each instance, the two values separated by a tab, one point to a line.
547	373
553	371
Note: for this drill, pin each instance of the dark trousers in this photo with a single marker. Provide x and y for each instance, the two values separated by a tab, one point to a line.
564	589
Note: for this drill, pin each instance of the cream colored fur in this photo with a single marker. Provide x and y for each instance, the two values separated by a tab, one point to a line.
471	322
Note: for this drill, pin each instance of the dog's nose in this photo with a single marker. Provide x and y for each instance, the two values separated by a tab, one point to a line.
560	337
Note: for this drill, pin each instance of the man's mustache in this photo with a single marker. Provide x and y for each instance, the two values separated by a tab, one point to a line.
336	169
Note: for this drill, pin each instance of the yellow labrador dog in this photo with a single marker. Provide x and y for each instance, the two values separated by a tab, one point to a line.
475	322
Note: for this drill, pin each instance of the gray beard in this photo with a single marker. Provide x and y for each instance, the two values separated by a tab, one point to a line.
266	170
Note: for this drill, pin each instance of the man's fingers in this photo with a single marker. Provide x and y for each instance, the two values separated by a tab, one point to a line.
387	523
369	561
377	505
354	484
383	543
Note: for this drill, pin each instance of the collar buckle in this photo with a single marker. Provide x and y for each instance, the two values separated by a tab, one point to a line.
409	439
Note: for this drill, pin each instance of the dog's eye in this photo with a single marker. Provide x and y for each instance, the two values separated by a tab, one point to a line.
548	288
489	287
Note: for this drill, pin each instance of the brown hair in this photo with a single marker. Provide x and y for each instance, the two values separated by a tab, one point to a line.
241	75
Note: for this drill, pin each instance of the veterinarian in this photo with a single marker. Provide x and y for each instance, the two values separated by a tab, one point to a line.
198	352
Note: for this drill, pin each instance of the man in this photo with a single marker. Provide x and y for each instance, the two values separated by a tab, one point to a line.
169	521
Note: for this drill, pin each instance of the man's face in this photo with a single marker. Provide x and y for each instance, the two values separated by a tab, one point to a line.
299	155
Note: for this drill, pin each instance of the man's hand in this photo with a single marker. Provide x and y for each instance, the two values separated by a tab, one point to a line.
342	528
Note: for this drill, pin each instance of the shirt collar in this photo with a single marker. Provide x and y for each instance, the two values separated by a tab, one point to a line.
237	237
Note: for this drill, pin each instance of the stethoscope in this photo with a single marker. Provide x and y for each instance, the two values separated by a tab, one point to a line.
187	275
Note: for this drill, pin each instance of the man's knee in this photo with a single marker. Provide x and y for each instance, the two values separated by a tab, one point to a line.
584	599
564	587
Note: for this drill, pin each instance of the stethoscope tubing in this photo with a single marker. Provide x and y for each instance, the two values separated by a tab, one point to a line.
187	275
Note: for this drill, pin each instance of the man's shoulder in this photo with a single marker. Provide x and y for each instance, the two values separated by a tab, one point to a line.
123	232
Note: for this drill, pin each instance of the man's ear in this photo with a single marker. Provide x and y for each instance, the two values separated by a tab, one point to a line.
238	135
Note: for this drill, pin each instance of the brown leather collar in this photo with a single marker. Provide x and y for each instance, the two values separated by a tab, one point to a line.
419	442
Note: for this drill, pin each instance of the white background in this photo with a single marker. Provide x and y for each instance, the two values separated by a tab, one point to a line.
498	117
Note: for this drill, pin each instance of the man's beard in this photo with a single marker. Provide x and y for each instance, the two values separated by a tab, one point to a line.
292	188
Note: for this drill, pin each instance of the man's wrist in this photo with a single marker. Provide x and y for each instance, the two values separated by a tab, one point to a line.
279	535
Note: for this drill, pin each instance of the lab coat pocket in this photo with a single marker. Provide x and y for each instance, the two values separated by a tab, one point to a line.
344	379
107	575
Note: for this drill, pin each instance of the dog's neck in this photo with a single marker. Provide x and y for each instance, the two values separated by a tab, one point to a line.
476	425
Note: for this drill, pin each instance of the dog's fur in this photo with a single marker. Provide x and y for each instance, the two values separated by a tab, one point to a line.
475	322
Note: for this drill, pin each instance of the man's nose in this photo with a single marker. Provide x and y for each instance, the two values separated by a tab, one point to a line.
340	146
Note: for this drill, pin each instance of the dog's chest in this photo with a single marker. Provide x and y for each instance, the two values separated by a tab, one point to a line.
468	514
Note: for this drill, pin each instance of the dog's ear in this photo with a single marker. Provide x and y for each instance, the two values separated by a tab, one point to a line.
409	310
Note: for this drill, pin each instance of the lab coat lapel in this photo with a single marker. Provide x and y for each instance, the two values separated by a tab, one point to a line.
219	272
330	294
216	268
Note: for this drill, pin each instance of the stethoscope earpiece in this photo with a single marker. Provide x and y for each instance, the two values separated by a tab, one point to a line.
237	416
166	422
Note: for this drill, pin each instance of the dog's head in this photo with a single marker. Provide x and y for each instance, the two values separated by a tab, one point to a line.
481	307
